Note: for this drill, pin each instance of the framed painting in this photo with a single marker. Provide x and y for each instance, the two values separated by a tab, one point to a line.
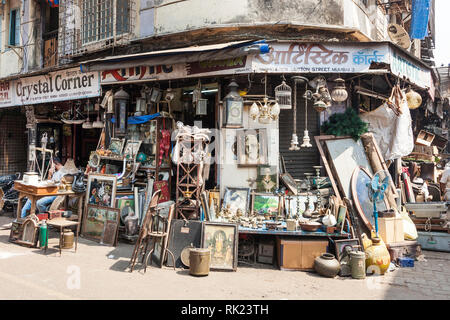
266	179
289	182
116	146
237	198
111	230
340	245
266	203
131	149
252	145
101	224
342	212
126	207
222	240
94	222
101	190
214	204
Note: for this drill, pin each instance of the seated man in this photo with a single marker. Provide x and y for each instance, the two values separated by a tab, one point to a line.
43	203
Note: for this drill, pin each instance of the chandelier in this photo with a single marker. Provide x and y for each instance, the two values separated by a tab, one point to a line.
266	110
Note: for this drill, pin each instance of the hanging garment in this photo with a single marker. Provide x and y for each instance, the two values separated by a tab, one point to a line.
392	132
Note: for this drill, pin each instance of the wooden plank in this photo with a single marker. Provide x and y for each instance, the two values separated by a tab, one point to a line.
326	165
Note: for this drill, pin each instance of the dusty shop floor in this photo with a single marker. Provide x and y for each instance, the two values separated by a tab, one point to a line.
27	273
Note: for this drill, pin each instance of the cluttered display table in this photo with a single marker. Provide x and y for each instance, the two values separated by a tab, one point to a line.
281	231
34	193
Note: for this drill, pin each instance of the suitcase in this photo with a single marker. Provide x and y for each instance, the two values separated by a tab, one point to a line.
183	233
410	249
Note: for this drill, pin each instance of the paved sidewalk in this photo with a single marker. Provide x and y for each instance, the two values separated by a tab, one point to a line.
100	272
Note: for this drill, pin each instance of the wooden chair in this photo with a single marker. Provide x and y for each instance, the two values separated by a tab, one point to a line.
138	248
158	231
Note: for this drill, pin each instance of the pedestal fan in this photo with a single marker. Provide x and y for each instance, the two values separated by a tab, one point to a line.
377	188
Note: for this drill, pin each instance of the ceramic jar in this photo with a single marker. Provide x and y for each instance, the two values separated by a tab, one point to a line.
326	265
377	257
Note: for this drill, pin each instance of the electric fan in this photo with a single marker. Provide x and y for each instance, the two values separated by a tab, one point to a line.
377	188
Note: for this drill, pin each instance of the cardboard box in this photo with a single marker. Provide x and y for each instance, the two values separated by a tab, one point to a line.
391	229
299	254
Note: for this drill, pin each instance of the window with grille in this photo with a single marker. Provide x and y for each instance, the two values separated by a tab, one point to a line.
102	19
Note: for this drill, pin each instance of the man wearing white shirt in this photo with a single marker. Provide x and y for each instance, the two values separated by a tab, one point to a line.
55	173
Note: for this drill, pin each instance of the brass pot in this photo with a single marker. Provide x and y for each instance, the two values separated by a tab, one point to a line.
326	265
377	257
199	261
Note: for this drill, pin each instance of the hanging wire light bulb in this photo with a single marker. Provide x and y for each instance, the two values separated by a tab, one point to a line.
306	140
294	140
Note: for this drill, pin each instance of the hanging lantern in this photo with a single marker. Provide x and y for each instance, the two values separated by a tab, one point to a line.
233	108
339	93
320	106
283	95
413	98
121	99
87	124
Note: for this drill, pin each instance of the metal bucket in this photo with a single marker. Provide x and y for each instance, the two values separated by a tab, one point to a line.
199	260
68	239
358	264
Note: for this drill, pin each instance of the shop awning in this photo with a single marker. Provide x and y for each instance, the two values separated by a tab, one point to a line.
227	50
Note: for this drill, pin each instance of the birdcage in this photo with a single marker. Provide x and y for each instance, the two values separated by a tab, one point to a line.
283	95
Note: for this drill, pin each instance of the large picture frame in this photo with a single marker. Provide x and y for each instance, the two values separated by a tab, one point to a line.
252	147
101	190
101	224
222	240
237	198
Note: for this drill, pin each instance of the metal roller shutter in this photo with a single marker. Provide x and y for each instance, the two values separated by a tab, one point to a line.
299	162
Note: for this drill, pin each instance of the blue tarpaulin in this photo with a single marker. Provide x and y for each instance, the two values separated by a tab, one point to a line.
53	3
419	19
140	119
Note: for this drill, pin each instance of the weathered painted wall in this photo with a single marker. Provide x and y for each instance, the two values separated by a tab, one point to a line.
172	18
27	55
10	60
163	17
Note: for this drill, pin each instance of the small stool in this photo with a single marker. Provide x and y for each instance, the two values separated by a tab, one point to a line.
62	223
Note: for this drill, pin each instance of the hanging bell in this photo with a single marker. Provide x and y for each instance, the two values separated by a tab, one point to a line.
306	140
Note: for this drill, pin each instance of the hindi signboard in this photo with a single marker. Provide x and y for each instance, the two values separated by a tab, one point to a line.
6	93
320	58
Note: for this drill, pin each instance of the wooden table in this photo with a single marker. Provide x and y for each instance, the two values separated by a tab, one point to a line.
34	197
62	223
